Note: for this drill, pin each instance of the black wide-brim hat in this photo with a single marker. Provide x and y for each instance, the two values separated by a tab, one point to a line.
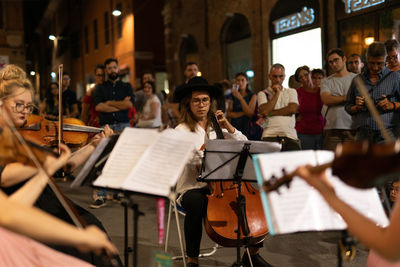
196	84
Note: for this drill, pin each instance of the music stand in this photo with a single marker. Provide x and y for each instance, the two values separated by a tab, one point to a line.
95	163
228	160
91	170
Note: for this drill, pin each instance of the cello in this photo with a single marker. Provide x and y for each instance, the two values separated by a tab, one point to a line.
221	220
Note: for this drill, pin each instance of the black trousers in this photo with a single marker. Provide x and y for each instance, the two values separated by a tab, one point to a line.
195	204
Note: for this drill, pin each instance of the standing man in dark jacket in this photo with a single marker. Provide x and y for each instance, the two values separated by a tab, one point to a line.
112	99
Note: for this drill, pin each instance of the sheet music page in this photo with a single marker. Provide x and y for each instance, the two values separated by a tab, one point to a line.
90	163
215	159
162	164
301	207
296	208
128	150
365	201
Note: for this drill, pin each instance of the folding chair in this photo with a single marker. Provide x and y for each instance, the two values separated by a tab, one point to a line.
177	209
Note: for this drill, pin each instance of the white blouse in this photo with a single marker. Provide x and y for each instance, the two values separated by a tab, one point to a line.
188	181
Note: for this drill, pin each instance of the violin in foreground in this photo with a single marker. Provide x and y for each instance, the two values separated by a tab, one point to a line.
358	164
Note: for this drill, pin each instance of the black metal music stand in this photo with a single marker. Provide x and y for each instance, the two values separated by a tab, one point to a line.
221	157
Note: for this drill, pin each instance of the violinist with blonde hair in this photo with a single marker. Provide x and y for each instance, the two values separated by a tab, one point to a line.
15	178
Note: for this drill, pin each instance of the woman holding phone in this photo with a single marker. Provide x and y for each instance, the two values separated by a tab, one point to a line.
242	105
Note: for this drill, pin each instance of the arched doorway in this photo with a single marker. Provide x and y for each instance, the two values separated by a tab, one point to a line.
236	45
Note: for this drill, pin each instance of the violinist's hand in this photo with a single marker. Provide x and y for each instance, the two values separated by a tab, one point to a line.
318	181
53	164
385	104
93	239
223	122
107	132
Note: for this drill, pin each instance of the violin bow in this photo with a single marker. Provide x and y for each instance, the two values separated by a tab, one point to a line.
375	114
60	106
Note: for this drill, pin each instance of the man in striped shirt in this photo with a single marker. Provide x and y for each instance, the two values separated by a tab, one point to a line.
383	85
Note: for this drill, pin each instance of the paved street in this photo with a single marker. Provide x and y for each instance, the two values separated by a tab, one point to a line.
303	249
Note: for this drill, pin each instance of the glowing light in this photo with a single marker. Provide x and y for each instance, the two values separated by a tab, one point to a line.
116	12
32	73
198	74
250	73
52	37
53	75
369	40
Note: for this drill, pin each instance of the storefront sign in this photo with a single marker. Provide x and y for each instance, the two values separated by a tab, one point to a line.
355	5
294	21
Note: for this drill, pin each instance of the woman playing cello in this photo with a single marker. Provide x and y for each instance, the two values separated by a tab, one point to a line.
16	93
196	100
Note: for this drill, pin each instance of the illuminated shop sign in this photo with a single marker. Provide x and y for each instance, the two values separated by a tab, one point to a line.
355	5
294	21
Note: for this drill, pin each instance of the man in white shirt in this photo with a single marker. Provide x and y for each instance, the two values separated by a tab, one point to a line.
278	106
338	127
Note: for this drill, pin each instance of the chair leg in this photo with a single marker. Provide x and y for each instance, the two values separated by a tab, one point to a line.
168	224
179	234
248	254
213	250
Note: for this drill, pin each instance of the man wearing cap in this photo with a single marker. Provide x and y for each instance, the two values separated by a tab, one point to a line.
196	99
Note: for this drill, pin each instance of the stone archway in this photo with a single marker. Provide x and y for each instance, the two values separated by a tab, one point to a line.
236	45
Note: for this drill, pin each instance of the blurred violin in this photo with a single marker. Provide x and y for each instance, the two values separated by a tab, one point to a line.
14	148
46	132
358	164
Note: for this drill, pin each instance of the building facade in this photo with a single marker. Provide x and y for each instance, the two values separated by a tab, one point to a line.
12	49
87	33
226	37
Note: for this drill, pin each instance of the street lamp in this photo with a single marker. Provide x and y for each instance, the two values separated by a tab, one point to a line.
116	12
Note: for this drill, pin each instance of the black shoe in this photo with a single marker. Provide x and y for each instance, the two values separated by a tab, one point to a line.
98	203
257	261
192	264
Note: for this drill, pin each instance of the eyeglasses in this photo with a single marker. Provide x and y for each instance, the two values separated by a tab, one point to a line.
197	101
19	107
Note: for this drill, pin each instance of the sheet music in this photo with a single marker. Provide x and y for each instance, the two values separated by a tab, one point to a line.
130	147
217	158
301	207
160	167
90	163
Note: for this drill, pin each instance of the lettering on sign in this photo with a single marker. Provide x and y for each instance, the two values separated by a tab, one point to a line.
294	21
355	5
